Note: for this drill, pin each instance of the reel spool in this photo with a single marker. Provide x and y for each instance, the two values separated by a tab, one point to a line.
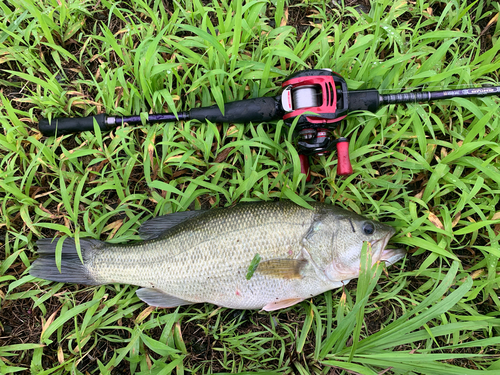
305	97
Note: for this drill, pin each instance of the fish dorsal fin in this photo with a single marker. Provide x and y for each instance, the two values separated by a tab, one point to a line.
154	297
281	304
282	268
156	226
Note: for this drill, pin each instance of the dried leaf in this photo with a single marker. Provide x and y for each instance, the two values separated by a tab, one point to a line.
435	220
223	155
151	149
285	18
179	173
52	215
114	226
60	355
456	219
343	298
444	152
420	194
399	5
144	314
491	22
474	275
47	323
232	131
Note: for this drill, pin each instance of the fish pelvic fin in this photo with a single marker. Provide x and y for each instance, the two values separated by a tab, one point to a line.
72	268
155	297
282	268
281	304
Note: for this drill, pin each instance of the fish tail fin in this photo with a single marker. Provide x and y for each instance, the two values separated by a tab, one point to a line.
72	268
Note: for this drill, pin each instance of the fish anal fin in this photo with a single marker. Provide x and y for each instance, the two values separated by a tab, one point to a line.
157	298
281	304
282	268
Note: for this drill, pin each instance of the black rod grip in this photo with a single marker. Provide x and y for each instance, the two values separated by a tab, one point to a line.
62	125
363	100
242	111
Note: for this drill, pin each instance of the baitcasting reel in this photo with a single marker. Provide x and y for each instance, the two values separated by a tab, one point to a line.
317	100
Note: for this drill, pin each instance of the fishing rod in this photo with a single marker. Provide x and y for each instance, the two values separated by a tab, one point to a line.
316	99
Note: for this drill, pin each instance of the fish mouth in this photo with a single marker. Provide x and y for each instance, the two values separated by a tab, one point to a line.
389	256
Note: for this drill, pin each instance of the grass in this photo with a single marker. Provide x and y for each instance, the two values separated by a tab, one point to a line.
431	169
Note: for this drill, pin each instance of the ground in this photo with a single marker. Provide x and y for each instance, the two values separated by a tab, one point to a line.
430	205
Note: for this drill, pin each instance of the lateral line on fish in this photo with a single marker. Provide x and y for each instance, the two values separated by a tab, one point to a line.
214	237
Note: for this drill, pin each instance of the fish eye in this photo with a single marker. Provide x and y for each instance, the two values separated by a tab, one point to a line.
368	228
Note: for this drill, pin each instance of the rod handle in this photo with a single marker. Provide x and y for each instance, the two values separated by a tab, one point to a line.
242	111
67	125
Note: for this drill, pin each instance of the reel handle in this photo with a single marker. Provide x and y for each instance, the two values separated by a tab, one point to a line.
344	166
304	166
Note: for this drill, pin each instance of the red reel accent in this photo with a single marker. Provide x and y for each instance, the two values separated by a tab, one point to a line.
344	166
328	89
304	166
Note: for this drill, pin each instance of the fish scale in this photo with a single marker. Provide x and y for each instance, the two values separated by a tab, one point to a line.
205	256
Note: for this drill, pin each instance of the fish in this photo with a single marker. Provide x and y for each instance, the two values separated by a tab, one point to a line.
263	255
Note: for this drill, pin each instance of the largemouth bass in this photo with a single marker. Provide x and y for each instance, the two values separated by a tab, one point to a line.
205	256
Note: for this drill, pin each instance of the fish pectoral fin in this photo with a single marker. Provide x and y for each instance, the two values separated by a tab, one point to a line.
157	298
282	268
281	304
